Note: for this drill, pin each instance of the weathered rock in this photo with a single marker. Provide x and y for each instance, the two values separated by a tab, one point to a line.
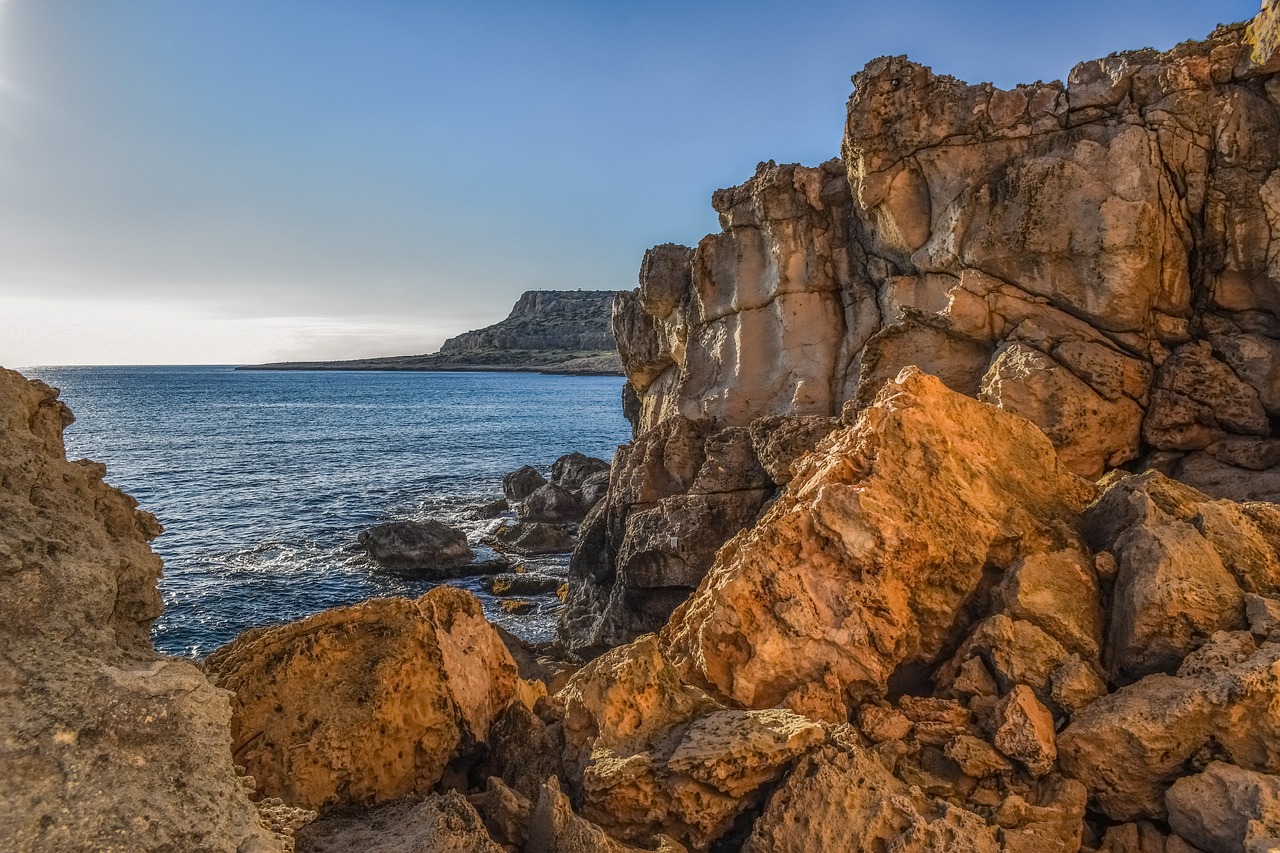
103	742
534	538
1058	593
679	492
850	801
1227	809
522	482
1024	731
381	695
1097	257
652	755
780	440
523	583
554	828
1128	747
441	823
565	320
550	504
867	560
572	470
417	545
594	489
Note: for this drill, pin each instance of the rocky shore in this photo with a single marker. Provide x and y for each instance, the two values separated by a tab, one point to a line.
949	524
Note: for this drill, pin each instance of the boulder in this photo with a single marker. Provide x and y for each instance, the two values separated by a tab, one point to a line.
104	743
594	489
550	504
651	755
1130	746
572	470
417	545
493	509
522	482
533	538
1226	808
1024	731
381	695
868	560
849	800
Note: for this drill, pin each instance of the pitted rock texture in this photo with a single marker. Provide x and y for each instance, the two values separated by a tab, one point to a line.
880	542
1099	257
104	744
363	704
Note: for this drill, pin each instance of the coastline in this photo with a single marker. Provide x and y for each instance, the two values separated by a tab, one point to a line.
557	363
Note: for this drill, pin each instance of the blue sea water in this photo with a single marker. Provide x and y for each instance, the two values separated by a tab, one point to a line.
263	480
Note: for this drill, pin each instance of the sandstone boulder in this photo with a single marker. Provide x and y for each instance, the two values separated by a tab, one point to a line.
417	545
652	755
379	696
103	742
1226	808
866	562
1130	746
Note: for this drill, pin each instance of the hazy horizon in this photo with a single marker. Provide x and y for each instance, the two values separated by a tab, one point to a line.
269	180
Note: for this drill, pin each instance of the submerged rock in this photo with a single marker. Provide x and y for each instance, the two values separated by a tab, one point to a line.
424	546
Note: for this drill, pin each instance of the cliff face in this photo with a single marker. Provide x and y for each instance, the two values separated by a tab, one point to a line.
546	320
105	745
1100	257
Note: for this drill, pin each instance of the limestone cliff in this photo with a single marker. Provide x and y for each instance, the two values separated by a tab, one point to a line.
546	320
1100	257
104	744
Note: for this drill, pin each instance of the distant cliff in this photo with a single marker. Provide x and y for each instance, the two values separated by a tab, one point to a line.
548	331
546	320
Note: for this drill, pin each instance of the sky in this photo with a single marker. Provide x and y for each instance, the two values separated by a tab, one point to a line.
236	181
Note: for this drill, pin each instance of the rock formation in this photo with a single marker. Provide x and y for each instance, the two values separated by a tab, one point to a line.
546	320
364	704
103	743
1097	257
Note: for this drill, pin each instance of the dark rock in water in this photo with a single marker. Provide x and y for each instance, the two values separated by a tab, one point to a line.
550	504
526	583
493	509
522	482
572	470
534	538
594	488
417	545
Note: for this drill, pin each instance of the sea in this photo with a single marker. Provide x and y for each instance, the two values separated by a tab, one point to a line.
264	480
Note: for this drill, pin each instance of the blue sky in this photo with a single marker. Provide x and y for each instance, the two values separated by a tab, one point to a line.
226	181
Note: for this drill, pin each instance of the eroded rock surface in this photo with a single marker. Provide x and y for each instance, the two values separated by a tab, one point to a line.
104	744
1096	256
364	704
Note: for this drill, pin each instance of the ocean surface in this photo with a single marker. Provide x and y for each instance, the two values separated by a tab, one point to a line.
263	480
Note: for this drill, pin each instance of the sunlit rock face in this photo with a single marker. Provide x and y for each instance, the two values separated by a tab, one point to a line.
1099	257
104	744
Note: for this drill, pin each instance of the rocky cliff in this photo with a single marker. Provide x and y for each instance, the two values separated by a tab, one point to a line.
1100	257
546	320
